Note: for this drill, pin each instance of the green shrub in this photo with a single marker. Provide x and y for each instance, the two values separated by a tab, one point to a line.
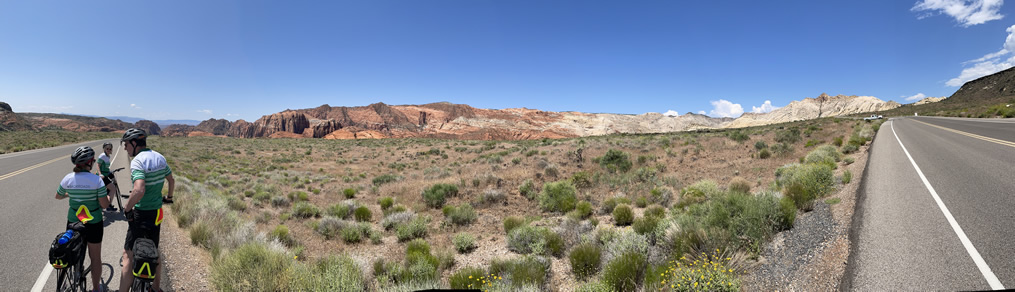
385	202
740	185
351	235
717	276
585	260
764	154
306	210
760	145
538	240
847	177
558	197
464	242
528	270
582	211
622	215
415	228
331	227
516	160
641	202
788	136
646	225
698	192
362	214
349	193
837	141
787	213
849	148
848	160
200	234
512	222
611	203
342	210
333	273
468	278
661	196
281	233
461	215
436	195
582	179
738	136
615	160
806	182
236	204
387	178
655	211
826	154
528	189
625	272
420	263
260	267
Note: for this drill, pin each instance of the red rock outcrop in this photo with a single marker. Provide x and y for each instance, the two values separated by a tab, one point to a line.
214	126
150	127
177	130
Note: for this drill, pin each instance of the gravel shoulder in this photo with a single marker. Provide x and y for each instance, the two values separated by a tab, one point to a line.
813	255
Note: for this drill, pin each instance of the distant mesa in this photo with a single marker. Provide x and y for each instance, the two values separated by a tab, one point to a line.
150	127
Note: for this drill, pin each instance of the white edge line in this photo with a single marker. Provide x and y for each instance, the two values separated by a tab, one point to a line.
40	282
995	284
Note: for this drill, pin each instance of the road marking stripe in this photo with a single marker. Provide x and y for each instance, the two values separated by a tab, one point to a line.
41	281
988	139
995	284
9	175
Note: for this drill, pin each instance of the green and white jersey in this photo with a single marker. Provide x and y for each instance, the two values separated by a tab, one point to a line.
103	164
151	167
84	189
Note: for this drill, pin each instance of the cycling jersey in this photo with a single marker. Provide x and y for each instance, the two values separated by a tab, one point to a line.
84	190
151	167
103	164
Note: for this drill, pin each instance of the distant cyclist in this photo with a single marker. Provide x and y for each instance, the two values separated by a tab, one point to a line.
87	196
107	177
148	171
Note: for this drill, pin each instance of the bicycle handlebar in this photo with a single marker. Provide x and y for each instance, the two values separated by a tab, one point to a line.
118	169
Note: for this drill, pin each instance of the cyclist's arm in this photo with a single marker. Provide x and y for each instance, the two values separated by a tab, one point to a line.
172	185
135	195
59	197
103	198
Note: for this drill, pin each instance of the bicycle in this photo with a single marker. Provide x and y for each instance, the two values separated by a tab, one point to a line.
116	188
146	255
68	259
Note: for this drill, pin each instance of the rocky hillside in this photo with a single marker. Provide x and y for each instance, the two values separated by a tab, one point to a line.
999	85
441	120
74	123
812	108
150	127
9	121
929	100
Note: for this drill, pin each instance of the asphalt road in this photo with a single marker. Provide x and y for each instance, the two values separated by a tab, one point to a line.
30	218
903	239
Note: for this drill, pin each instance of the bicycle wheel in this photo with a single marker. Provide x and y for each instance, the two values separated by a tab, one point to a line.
141	285
63	281
119	202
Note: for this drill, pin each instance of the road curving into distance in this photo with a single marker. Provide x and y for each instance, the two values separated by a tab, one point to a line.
937	207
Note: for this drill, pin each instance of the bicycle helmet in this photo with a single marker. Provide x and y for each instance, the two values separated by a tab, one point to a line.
134	134
82	155
107	144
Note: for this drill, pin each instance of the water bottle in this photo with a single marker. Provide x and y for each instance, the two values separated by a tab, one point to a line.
66	236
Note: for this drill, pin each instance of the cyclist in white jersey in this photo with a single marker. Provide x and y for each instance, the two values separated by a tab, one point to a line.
87	198
148	172
107	177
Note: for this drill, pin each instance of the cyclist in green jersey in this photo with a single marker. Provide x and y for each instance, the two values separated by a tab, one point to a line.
107	177
148	171
87	196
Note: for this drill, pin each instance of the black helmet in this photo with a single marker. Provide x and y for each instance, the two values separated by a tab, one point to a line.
82	155
134	134
107	144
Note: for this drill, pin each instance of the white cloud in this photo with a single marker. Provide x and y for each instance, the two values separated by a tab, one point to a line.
134	106
205	111
989	63
916	97
232	115
701	112
966	12
725	109
671	113
765	107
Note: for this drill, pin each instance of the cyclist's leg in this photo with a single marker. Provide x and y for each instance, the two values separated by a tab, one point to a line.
93	236
111	190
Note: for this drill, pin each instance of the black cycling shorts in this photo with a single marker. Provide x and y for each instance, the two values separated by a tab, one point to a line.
108	179
92	232
144	223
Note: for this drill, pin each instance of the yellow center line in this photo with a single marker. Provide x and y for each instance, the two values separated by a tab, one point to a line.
971	135
9	175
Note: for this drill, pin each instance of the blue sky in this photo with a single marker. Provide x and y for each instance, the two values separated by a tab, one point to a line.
244	59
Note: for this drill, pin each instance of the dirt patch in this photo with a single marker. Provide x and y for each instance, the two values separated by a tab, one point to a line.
188	265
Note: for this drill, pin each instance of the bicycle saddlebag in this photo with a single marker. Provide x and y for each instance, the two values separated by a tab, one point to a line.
146	258
68	253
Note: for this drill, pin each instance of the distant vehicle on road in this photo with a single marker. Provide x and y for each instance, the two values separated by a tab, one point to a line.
873	117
